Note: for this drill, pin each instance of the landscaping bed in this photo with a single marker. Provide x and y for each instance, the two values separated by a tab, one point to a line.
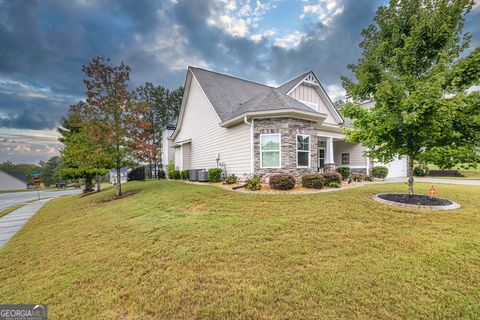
416	199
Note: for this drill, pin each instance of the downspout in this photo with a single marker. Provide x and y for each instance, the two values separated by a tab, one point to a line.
252	168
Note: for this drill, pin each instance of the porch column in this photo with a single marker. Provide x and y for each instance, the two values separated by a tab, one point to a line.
330	162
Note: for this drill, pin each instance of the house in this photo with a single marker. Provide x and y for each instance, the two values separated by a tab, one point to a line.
123	175
251	128
12	180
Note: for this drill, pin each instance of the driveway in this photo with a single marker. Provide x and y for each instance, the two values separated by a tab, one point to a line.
12	222
439	180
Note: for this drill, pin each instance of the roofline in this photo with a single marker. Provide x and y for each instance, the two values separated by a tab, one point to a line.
233	77
319	117
182	105
8	174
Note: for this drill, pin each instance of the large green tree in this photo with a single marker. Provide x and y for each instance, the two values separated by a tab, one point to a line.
415	69
51	170
82	154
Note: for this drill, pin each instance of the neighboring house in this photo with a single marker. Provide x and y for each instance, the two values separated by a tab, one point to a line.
12	181
251	128
123	175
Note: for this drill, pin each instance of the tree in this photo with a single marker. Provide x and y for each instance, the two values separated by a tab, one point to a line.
51	170
114	110
82	154
174	103
412	68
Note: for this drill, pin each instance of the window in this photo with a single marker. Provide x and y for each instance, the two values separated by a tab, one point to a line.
270	150
345	158
312	105
303	150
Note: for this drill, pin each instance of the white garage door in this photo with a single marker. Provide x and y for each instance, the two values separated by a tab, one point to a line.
397	168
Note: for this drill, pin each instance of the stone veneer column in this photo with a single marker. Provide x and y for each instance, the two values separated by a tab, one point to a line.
288	129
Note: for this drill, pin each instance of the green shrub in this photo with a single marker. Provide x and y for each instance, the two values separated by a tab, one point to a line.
254	183
185	174
334	185
171	170
282	181
231	179
177	174
314	181
332	176
214	175
380	172
161	174
421	170
344	171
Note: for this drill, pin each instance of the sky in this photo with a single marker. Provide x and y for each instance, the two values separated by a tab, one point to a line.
44	43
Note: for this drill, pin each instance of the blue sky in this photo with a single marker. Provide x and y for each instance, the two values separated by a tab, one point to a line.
43	45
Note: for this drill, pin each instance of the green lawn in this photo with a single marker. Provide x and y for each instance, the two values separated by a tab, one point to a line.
176	250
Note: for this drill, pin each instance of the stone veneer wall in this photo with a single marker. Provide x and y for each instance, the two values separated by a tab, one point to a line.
288	129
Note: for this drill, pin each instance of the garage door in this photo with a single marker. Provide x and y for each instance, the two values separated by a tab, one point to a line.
397	168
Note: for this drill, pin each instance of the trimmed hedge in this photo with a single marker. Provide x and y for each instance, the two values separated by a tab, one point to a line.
359	177
214	175
171	170
380	172
344	171
421	170
313	181
332	176
282	182
254	184
177	175
161	174
185	174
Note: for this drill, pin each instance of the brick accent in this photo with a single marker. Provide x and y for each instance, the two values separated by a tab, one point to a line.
288	129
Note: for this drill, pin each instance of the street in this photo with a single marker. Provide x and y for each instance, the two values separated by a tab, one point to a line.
9	199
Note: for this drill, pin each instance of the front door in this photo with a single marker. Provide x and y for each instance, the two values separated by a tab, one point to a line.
321	159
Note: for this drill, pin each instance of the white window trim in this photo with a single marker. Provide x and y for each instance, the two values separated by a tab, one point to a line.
279	150
309	149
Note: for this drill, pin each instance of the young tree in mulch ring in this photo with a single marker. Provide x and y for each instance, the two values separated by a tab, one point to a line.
416	71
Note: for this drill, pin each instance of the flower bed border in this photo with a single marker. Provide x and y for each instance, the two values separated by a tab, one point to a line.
452	206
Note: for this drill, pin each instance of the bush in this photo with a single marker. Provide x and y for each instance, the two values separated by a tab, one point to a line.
254	183
185	174
421	170
359	177
177	175
344	171
282	182
161	174
380	172
332	176
334	185
231	179
214	175
171	170
313	181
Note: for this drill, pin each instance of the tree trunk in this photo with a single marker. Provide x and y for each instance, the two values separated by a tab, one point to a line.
88	184
155	166
151	172
410	175
98	182
119	182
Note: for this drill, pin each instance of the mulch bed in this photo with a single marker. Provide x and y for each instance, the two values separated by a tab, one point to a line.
115	197
416	199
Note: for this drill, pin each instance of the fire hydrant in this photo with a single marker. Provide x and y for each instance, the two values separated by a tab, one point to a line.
432	191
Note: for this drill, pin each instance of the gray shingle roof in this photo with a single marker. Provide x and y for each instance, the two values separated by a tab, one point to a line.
17	174
292	83
232	96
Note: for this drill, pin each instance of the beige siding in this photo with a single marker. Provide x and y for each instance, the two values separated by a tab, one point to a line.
308	93
355	150
178	158
201	124
7	182
187	156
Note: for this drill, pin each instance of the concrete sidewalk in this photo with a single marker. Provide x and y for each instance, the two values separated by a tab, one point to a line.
438	180
12	222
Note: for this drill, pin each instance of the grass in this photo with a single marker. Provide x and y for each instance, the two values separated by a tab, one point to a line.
176	250
10	209
10	191
470	174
